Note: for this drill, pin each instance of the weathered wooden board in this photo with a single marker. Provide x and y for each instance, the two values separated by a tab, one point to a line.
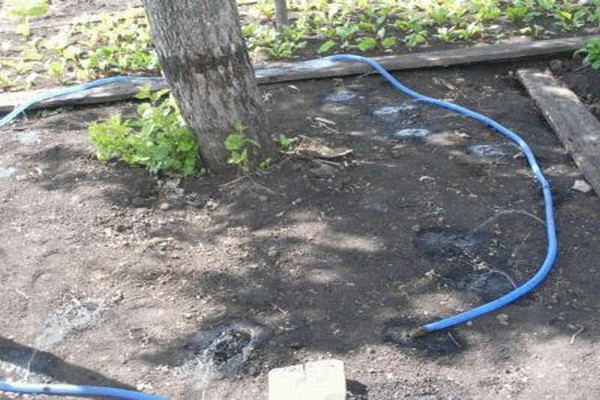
323	68
318	380
103	94
577	128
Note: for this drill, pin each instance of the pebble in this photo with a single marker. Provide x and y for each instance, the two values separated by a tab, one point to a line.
582	186
212	205
502	319
411	133
165	206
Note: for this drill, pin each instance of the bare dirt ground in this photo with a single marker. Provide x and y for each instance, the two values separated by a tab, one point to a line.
196	289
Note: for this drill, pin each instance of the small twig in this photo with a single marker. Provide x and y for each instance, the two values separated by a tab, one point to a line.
506	212
580	68
264	187
19	291
454	340
281	310
574	336
236	180
513	255
504	274
29	362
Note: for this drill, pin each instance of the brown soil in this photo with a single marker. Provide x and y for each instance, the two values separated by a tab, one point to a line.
196	289
583	80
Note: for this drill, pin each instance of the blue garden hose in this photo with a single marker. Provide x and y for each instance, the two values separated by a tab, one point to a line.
74	89
446	323
552	251
76	390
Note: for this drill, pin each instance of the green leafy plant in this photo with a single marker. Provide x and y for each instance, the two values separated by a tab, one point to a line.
23	9
284	142
157	139
240	148
592	53
121	43
569	20
415	39
326	47
469	32
517	13
367	44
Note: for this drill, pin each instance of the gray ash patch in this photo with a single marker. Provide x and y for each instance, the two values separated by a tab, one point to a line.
27	138
441	243
221	351
411	133
341	96
492	150
75	317
487	284
391	112
7	171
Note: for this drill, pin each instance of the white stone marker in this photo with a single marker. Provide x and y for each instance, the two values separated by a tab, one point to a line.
317	380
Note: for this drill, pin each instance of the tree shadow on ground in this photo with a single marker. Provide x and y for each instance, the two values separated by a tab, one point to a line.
328	257
45	364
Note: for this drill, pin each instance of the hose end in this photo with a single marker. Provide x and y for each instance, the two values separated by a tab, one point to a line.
418	333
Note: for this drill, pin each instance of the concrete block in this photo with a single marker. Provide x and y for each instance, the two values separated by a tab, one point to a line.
317	380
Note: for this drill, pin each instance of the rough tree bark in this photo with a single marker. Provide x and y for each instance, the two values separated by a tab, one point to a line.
207	67
281	14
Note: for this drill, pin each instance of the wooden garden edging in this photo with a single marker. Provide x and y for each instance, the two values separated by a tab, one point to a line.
576	127
322	68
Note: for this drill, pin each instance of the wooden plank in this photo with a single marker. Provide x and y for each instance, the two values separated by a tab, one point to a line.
576	127
318	380
323	68
104	94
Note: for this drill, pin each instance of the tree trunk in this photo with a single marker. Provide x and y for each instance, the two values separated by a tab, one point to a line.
281	15
207	67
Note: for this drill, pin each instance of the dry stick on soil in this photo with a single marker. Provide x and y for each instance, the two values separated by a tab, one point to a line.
297	71
574	336
576	127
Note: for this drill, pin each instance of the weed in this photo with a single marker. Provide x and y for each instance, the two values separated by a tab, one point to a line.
592	53
240	148
518	13
157	139
23	9
284	143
